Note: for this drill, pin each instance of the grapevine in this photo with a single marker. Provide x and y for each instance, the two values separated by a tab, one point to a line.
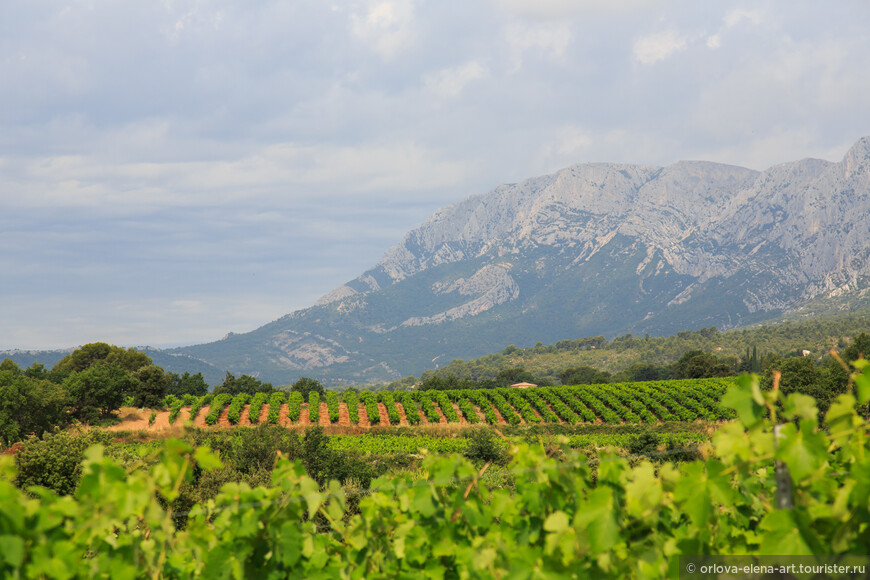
332	405
256	405
276	399
294	405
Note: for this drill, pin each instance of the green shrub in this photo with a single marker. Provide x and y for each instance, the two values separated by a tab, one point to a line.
485	446
55	460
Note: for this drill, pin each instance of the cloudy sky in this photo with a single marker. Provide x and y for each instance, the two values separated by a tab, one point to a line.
173	170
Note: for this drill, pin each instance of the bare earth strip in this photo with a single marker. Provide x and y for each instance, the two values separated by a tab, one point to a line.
304	419
364	416
460	414
343	415
403	418
385	417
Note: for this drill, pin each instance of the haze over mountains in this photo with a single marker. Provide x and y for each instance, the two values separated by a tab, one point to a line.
594	249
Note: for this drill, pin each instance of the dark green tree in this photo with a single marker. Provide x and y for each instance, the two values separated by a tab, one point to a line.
802	375
151	388
645	372
697	364
583	375
9	365
36	371
100	352
243	384
514	375
30	406
187	384
305	385
98	390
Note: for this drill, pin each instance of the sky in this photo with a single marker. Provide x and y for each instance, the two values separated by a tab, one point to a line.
174	170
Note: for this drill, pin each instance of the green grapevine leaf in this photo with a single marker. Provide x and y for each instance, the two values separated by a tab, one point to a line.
744	397
803	451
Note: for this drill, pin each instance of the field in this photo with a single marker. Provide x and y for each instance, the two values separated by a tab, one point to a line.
650	403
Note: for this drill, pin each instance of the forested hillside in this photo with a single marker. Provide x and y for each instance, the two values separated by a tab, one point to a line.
781	338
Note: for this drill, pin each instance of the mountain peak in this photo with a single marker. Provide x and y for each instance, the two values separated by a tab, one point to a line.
857	159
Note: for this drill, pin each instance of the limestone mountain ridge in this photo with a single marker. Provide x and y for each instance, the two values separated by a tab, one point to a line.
593	249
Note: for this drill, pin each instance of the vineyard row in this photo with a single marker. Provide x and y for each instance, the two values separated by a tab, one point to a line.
643	402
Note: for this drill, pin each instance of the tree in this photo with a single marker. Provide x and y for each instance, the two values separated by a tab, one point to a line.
514	375
584	375
100	352
802	375
697	364
36	371
98	390
9	365
860	348
243	384
187	384
305	385
29	406
151	387
11	403
645	372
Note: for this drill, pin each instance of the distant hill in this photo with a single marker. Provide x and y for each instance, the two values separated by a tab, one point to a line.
594	249
783	336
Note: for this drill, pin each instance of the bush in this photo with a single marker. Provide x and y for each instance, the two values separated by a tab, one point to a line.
644	444
55	460
324	464
485	446
250	449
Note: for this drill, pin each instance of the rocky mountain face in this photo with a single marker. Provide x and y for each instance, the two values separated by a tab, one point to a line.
595	249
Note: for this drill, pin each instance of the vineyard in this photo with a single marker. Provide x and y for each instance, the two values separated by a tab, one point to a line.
775	481
651	402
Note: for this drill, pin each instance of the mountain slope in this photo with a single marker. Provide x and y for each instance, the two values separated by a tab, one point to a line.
592	249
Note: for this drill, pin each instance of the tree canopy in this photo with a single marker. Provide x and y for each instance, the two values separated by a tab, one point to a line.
233	385
305	385
91	354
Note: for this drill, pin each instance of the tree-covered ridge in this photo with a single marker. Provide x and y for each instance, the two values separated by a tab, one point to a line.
733	347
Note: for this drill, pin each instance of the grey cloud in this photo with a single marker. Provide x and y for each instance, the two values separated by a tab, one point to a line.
205	154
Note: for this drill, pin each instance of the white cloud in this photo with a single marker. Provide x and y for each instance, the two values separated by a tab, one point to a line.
273	174
736	16
551	39
657	47
714	41
386	26
450	82
551	9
